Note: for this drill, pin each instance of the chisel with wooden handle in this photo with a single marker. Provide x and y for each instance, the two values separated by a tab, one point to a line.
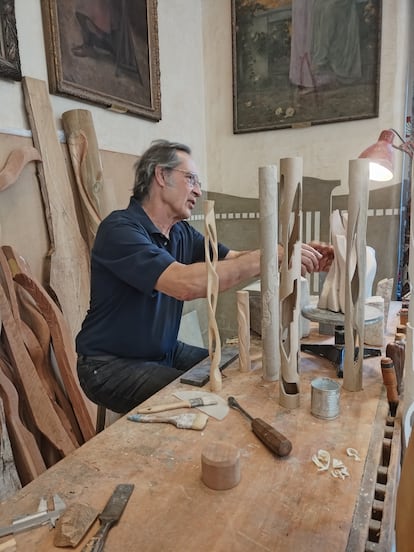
269	436
109	517
190	403
390	382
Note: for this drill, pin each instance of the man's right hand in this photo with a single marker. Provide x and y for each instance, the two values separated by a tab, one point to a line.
316	257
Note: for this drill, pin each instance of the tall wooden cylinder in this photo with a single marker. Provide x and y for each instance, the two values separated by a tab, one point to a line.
269	271
290	219
355	268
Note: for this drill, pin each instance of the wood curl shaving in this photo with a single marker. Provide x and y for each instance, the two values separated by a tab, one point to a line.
322	460
354	454
339	469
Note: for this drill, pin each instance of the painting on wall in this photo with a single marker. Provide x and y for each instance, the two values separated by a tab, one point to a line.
9	47
105	52
298	63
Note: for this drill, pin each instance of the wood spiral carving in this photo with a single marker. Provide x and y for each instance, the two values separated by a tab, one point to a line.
211	254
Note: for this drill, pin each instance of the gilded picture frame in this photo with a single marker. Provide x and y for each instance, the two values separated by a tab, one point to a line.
105	52
9	46
298	63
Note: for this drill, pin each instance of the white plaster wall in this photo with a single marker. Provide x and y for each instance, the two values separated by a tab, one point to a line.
196	96
233	160
182	83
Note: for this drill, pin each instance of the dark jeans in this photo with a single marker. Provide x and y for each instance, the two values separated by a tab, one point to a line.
123	383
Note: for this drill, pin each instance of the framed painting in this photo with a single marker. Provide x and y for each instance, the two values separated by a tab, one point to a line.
105	52
304	62
9	47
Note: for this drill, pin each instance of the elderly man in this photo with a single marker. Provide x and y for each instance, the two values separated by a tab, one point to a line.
147	260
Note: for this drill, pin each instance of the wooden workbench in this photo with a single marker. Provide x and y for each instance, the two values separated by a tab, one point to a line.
280	503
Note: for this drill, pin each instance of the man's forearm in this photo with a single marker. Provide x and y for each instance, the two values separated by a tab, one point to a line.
237	267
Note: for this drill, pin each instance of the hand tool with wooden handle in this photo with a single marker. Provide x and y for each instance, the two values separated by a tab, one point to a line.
390	382
182	421
110	516
274	441
190	403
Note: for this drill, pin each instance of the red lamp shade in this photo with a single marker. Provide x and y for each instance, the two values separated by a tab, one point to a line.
381	156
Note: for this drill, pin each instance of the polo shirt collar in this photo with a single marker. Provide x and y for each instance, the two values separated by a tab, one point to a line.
141	216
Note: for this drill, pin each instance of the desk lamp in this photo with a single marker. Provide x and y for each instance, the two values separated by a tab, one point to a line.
385	145
381	157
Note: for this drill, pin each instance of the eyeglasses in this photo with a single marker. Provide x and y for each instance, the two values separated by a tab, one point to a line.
191	177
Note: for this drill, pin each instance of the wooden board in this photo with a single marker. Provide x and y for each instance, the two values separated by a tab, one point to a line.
87	168
9	479
69	259
57	331
29	461
64	351
41	408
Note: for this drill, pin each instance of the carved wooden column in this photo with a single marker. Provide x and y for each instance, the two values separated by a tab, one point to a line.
214	343
355	267
269	272
96	200
291	171
243	320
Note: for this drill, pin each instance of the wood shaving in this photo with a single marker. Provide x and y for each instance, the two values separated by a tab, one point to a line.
322	460
354	454
340	473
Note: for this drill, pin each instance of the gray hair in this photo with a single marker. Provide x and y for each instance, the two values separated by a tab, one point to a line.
161	153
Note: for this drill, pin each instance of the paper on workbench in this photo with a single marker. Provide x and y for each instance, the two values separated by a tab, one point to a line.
218	411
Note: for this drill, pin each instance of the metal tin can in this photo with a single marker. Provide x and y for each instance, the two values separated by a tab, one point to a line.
325	398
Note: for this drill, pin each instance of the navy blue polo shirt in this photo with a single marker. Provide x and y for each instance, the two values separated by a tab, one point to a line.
127	317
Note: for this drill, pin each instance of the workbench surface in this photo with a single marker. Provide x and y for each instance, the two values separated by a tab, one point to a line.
280	504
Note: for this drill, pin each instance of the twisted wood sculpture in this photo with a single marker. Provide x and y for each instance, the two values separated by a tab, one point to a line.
211	254
290	273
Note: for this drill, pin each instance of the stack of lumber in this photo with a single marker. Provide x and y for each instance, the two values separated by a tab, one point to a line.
45	411
46	414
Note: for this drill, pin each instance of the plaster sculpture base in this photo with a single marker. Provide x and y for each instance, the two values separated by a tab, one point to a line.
374	332
335	352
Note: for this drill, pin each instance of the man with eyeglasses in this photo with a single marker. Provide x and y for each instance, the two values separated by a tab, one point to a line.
146	261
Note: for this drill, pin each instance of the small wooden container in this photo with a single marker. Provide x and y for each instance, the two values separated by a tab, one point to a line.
220	466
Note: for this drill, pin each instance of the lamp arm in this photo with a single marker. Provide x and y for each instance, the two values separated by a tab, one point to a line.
407	146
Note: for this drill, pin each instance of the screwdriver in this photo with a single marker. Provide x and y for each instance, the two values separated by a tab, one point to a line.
269	436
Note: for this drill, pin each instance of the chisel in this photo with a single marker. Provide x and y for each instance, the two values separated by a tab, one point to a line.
109	517
269	436
390	382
